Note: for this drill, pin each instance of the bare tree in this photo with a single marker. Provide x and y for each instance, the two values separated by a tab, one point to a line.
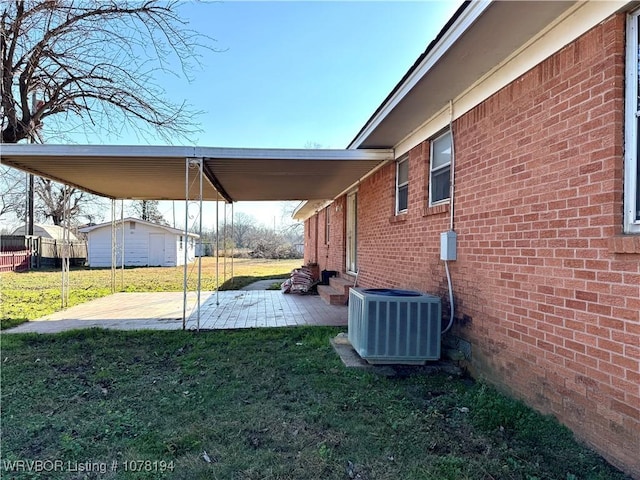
51	196
12	193
292	230
148	210
88	65
93	64
243	226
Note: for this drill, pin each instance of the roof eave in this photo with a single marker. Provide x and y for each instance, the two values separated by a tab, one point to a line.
476	43
461	20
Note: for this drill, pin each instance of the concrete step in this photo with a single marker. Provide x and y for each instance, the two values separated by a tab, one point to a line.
341	285
332	296
337	292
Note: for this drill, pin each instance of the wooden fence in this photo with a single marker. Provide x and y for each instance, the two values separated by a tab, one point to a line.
45	252
51	251
10	243
15	261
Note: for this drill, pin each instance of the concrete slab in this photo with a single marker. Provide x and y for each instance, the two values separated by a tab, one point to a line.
347	354
351	359
218	310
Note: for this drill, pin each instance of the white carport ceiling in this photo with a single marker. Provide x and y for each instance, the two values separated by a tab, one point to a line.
158	172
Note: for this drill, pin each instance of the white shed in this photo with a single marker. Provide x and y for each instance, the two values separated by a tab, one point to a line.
145	244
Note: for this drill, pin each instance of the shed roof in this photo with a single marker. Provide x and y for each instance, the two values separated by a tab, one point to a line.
99	226
48	231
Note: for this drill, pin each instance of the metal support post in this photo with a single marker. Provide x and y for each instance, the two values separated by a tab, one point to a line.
189	164
186	231
113	245
122	254
233	245
217	249
65	248
200	162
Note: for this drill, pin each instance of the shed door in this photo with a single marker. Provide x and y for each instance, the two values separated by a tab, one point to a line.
156	249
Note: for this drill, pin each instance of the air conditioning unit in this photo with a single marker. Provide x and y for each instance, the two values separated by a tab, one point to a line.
394	326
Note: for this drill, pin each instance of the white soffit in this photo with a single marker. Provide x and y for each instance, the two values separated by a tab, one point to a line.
159	172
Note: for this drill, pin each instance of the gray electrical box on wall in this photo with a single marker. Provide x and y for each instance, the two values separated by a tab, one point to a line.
448	246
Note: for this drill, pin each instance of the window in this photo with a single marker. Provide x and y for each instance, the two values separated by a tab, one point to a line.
402	184
440	168
632	121
327	225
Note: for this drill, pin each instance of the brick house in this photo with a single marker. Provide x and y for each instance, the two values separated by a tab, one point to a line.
518	129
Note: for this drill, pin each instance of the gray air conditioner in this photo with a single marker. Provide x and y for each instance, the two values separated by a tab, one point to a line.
394	326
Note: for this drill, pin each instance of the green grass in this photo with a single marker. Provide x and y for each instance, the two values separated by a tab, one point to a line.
30	295
263	404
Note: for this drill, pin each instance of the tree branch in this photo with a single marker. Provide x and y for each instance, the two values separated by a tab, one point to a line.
91	59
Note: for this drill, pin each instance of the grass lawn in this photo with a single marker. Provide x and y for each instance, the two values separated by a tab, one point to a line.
30	295
262	404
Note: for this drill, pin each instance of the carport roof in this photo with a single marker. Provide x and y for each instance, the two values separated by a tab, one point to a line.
159	172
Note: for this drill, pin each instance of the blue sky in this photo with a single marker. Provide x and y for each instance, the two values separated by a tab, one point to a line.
293	73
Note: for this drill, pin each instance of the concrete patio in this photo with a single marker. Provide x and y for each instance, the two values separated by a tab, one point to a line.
163	311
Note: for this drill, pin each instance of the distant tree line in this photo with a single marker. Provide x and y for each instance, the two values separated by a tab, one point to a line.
250	239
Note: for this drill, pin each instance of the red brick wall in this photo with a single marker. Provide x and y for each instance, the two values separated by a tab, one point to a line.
329	256
554	311
310	240
403	250
543	290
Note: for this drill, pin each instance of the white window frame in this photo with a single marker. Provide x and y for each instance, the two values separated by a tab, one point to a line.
438	169
632	119
400	185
